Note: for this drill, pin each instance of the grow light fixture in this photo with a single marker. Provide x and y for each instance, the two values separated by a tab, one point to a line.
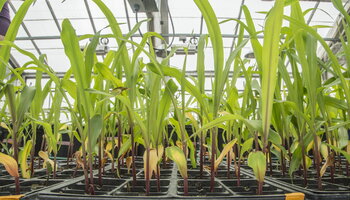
143	6
181	49
189	48
249	55
101	49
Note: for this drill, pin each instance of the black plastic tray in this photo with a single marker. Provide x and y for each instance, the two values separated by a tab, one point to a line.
171	186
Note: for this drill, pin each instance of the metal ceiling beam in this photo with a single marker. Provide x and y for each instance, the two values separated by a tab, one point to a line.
128	21
193	73
164	19
164	35
53	15
310	0
90	16
313	12
26	29
237	25
13	62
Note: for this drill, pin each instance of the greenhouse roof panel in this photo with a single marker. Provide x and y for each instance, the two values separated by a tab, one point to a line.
40	31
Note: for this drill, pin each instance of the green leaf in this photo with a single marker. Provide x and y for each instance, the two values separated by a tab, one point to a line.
107	74
247	145
270	56
343	137
90	56
70	87
12	34
296	160
178	156
218	49
257	161
96	124
251	124
275	138
23	156
26	99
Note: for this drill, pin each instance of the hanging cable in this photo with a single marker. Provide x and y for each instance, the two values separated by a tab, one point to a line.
137	21
172	26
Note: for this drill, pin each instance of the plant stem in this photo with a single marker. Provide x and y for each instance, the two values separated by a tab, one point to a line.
133	155
32	151
85	168
317	159
283	164
201	155
304	162
228	164
17	185
147	172
15	145
158	178
100	161
70	148
260	187
92	192
347	168
270	157
239	172
119	141
213	153
164	157
54	165
42	149
185	186
256	142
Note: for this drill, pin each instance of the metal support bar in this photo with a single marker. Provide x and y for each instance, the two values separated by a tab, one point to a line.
129	24
90	16
164	35
26	30
193	73
236	28
53	15
313	12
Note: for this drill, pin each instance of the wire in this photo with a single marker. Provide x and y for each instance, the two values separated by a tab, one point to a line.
172	26
137	21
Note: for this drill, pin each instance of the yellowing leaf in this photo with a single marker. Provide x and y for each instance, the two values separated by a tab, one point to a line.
232	156
128	163
12	197
10	164
63	127
311	144
78	159
153	161
43	155
308	162
178	156
3	125
329	162
160	152
108	149
109	146
23	155
257	161
324	150
48	163
224	153
295	196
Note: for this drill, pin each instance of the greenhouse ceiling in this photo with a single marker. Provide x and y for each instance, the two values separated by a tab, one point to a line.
40	31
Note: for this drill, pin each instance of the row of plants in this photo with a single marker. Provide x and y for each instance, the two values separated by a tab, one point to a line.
288	119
